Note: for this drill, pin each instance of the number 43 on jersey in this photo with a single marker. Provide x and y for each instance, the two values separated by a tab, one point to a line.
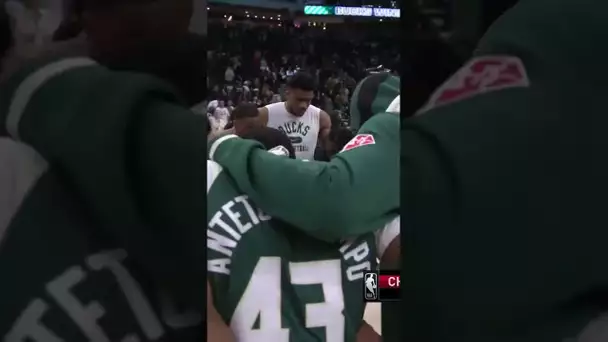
262	298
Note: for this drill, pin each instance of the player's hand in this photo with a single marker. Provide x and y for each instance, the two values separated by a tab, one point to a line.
368	334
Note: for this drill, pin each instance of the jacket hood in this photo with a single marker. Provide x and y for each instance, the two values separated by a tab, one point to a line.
373	95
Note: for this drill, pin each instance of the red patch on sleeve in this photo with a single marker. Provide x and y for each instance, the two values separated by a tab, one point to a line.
480	75
358	141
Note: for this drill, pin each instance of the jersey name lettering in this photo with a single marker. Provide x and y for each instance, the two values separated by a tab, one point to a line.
301	148
226	228
88	315
294	127
359	255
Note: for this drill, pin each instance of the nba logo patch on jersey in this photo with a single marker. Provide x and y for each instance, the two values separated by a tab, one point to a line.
370	286
480	75
358	141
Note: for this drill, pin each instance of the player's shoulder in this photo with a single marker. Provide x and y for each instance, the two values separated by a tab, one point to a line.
273	109
315	109
275	106
213	171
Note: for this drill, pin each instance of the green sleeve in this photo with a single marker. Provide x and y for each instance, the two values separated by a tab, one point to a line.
133	155
356	192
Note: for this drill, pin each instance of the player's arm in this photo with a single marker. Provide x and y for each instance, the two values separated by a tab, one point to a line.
388	245
388	241
217	330
367	334
263	115
324	129
350	195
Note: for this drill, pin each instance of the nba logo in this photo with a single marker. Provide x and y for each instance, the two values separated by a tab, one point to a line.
370	288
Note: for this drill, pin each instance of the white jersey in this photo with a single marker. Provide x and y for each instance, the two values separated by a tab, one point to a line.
303	131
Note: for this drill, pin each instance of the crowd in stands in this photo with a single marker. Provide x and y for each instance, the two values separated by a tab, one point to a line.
252	64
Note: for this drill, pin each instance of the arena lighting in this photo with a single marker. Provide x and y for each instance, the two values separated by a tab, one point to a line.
379	12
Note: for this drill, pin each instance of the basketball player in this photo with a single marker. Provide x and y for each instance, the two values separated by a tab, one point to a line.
244	118
305	124
342	182
245	262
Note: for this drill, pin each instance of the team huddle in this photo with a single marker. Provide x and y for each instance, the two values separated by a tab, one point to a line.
268	281
503	172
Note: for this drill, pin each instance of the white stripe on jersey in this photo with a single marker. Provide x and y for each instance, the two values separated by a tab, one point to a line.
387	234
213	171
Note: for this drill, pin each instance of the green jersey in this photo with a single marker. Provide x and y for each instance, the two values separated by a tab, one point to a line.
503	185
351	195
273	283
83	254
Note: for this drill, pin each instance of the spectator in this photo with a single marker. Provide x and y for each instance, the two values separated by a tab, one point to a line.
257	69
229	75
263	61
221	113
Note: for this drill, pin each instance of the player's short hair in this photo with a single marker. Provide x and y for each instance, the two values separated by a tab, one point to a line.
302	80
270	138
245	110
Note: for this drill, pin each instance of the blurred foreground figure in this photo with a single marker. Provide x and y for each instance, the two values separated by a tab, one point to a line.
82	258
149	36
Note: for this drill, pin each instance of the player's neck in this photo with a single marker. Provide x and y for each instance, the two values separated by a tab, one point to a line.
289	110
